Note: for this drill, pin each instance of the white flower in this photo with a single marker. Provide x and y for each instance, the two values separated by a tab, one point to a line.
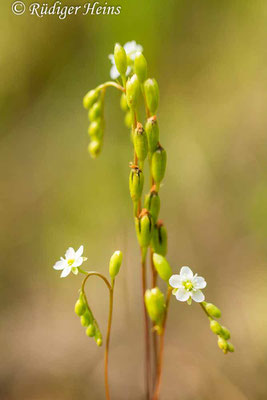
131	48
73	259
187	286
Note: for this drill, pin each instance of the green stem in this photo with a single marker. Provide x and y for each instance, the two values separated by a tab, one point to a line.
112	84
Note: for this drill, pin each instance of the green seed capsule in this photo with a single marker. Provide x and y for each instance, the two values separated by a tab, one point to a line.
140	142
120	59
90	98
152	132
152	203
123	103
128	120
162	266
140	67
223	345
230	347
132	91
94	148
225	333
155	304
152	95
98	338
212	310
86	319
115	264
95	130
144	228
95	111
158	164
215	327
136	183
80	307
160	239
90	331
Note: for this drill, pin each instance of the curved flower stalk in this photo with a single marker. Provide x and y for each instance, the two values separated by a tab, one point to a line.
129	69
74	260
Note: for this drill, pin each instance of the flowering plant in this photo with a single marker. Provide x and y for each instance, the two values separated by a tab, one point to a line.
129	74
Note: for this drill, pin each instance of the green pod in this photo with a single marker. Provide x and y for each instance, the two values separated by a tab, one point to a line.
120	59
155	304
128	120
223	345
95	130
90	331
94	148
140	67
140	142
162	267
160	239
144	228
95	111
230	347
98	338
90	98
115	263
133	91
152	132
152	95
152	203
212	310
225	333
123	103
80	307
158	164
86	319
215	327
136	183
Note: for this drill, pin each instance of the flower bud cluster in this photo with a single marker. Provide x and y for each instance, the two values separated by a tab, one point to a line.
87	319
222	332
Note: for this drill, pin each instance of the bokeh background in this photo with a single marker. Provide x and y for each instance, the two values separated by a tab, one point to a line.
210	60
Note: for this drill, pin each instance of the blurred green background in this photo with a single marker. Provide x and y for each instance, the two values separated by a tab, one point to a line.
210	59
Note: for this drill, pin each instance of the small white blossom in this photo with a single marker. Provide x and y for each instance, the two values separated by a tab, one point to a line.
131	49
187	286
73	259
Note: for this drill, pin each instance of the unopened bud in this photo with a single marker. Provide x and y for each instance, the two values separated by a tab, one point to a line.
80	307
95	130
144	228
95	111
128	120
212	310
152	203
155	304
152	132
215	327
223	345
230	347
140	67
132	91
115	264
86	319
160	239
90	98
140	142
98	338
152	95
225	333
162	266
90	331
136	183
123	103
158	164
94	148
120	59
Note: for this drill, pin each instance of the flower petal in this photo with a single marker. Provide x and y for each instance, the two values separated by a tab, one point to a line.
128	71
197	296
175	281
65	272
79	252
186	273
78	262
111	57
199	282
70	253
182	294
59	265
114	74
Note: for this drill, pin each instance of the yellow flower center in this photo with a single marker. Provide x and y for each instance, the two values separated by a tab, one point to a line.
71	261
188	285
